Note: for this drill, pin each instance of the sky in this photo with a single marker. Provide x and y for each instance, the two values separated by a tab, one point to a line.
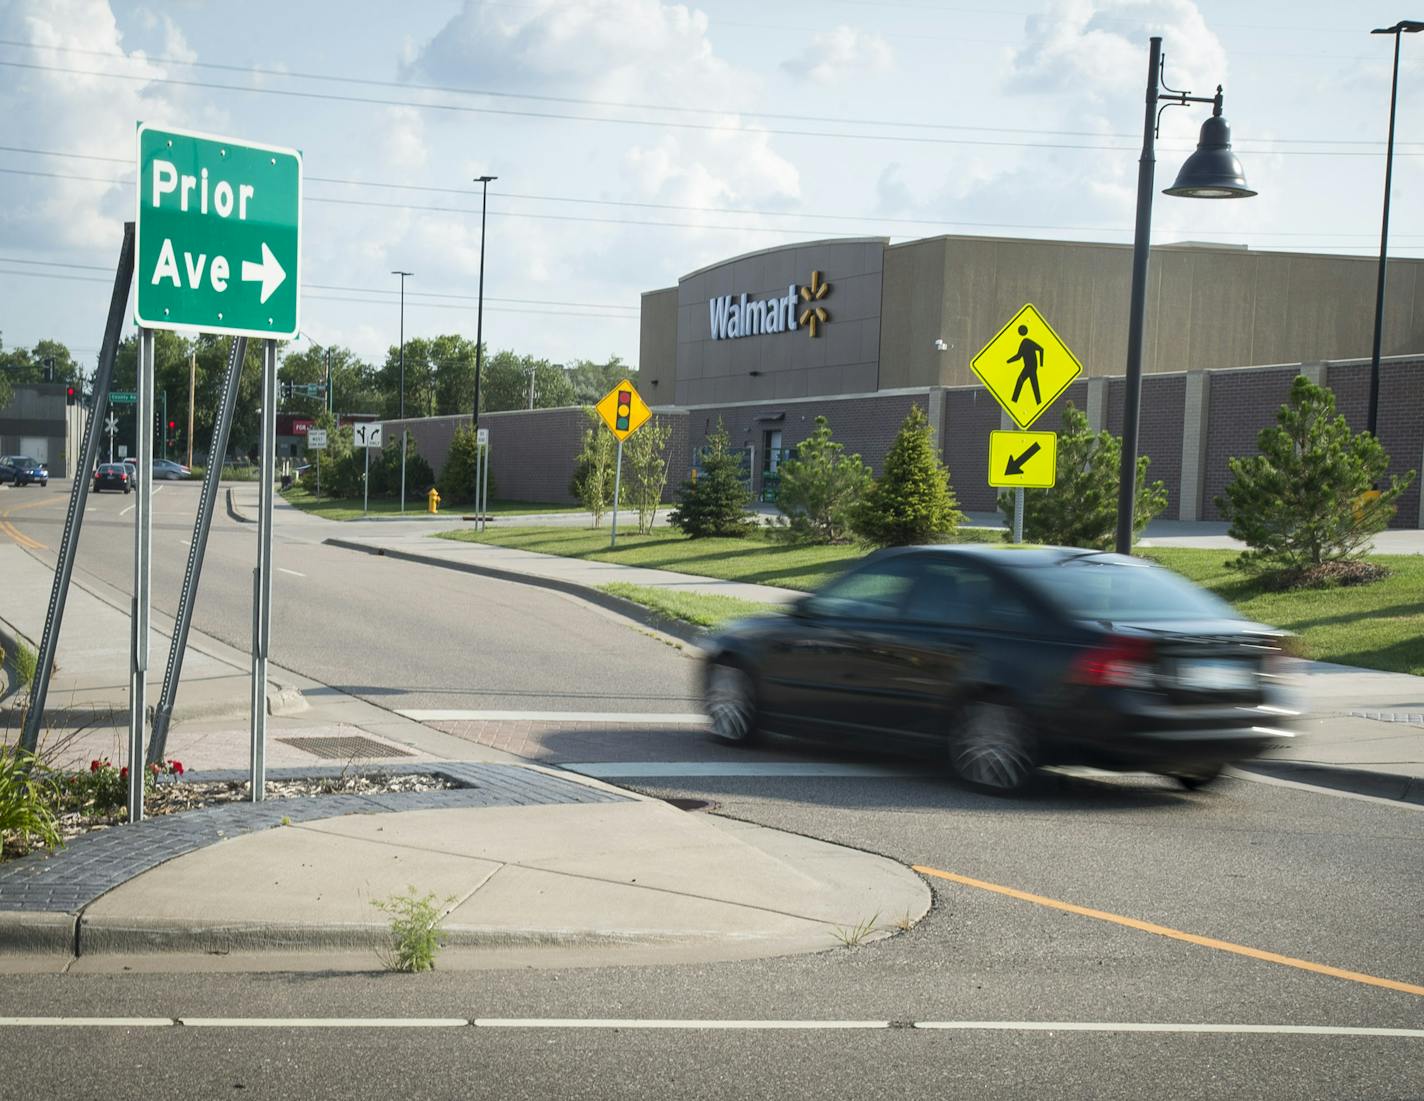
635	141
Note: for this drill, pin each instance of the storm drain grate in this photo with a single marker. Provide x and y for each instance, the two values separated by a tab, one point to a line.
344	749
1413	718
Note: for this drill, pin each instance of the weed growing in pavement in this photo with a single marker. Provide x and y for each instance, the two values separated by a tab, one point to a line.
26	662
852	935
415	931
906	923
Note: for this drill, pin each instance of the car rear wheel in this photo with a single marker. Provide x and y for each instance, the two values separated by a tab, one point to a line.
731	704
992	749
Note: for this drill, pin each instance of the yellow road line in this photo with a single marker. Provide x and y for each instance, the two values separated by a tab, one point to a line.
14	533
1175	934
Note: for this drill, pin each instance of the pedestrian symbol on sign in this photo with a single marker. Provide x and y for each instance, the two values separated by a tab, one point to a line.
1032	355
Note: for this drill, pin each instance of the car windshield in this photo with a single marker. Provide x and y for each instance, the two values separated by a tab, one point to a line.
24	460
1110	589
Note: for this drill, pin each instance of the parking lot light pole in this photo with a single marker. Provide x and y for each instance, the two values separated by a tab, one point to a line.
403	275
1212	172
480	309
1403	27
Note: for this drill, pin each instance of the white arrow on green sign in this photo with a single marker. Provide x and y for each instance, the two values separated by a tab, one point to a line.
218	239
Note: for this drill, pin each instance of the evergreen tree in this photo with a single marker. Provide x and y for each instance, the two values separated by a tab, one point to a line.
457	478
820	488
714	502
1309	497
1081	509
911	501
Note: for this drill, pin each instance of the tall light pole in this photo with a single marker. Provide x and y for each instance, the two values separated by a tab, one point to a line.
403	275
1404	26
480	311
1212	172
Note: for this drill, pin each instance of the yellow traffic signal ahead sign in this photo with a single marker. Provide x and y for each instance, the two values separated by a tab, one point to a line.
623	410
1023	459
1026	367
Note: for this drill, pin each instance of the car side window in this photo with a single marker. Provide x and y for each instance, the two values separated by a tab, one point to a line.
875	591
957	594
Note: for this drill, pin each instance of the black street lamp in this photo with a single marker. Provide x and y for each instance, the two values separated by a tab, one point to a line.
480	312
1404	26
403	275
1212	172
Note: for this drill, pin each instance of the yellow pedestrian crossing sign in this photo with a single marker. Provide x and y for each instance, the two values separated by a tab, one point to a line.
1023	460
1026	367
623	410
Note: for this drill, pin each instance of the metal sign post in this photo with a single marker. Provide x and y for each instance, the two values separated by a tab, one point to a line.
112	426
617	484
366	485
207	503
1018	514
316	441
262	575
143	576
79	495
482	457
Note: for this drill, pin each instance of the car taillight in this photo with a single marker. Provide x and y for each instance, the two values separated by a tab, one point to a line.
1117	663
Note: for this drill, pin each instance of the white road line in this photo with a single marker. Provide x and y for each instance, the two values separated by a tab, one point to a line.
711	1024
614	770
126	511
294	573
439	715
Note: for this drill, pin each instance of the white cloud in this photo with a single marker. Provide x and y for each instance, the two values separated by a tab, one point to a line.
840	53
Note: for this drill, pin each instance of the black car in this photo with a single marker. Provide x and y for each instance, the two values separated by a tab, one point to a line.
1000	660
21	470
113	476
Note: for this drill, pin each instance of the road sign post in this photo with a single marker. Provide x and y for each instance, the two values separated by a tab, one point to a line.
262	575
482	461
624	412
316	441
143	577
219	234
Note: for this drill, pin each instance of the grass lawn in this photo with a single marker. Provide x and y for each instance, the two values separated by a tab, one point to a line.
702	609
1378	626
343	508
754	559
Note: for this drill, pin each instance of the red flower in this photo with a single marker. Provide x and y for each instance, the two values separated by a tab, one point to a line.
94	765
177	767
124	773
153	769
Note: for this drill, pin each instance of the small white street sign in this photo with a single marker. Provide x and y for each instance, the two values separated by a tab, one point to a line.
481	437
316	439
367	435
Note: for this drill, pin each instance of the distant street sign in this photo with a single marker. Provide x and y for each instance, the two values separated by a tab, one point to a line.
366	434
122	397
316	439
218	239
1023	459
481	437
623	410
1026	366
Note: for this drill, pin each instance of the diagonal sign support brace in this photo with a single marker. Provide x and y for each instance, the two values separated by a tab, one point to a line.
79	493
202	525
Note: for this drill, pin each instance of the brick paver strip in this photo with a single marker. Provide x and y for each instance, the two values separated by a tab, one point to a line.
94	863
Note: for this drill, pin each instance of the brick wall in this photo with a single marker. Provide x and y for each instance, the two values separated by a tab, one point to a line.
1159	429
1240	404
1401	419
970	414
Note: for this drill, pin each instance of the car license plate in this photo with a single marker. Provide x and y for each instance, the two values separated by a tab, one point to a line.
1216	676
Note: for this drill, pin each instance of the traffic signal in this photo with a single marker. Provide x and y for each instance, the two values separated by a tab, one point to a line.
172	437
71	395
625	409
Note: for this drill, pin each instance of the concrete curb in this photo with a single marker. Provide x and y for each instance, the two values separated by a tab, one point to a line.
235	512
29	932
1357	781
684	632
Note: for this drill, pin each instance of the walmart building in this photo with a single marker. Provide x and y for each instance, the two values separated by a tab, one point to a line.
859	330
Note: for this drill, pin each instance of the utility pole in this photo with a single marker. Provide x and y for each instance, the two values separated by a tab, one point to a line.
192	397
403	275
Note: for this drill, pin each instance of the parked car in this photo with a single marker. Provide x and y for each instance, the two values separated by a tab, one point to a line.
1001	660
21	470
113	476
168	470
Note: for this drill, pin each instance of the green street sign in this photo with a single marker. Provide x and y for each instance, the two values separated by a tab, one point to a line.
123	397
218	239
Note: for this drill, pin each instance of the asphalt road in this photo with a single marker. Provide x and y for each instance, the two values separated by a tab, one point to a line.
392	632
1249	889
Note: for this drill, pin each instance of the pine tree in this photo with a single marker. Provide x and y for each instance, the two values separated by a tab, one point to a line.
911	501
820	488
714	502
457	478
1310	496
1081	509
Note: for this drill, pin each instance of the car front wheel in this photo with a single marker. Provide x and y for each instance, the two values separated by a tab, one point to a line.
731	704
992	749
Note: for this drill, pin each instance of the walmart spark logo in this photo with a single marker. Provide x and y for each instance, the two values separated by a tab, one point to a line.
813	314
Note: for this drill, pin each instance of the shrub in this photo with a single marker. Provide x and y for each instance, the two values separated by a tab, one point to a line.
457	478
386	470
911	501
714	502
1081	509
645	470
592	482
821	488
415	931
28	795
1314	494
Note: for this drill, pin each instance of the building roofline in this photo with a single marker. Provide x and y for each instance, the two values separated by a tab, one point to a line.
871	240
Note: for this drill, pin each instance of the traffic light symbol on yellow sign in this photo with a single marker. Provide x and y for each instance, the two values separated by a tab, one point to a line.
1027	460
623	410
1026	366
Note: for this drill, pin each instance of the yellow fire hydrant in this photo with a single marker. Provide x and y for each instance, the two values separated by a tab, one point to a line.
432	501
